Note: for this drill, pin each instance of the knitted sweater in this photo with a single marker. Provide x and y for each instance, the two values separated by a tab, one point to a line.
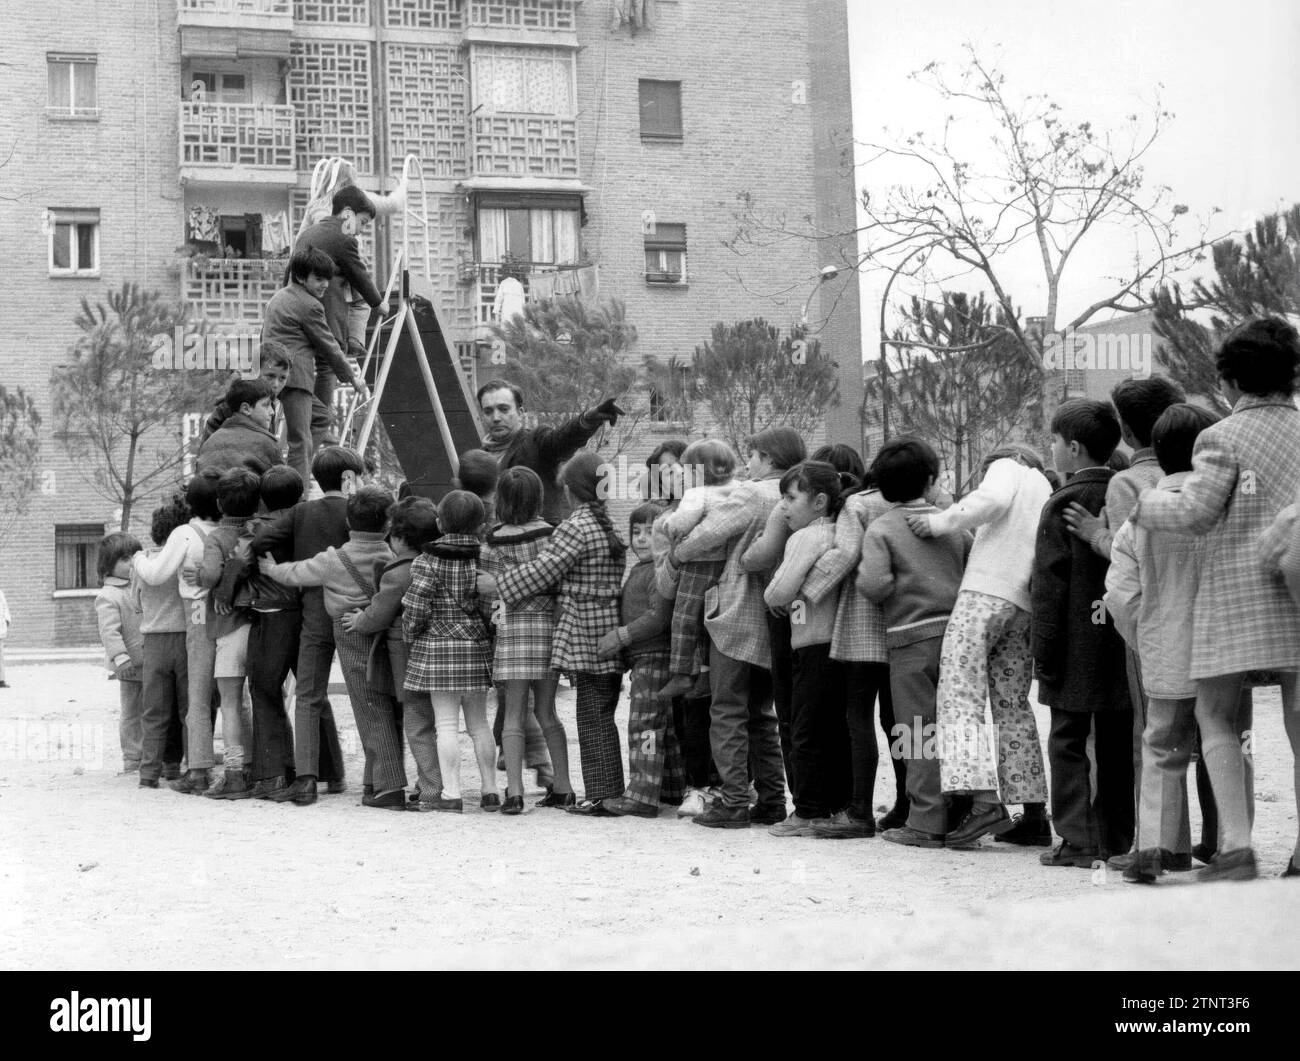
162	610
914	580
384	612
184	549
367	550
810	624
644	613
1005	507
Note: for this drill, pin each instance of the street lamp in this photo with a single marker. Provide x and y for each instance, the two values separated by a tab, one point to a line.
828	272
884	344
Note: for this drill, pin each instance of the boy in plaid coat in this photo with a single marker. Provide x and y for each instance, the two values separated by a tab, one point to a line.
584	558
1245	469
654	757
447	645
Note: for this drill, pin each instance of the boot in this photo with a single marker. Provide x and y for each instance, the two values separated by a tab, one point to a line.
194	783
232	785
268	787
1032	830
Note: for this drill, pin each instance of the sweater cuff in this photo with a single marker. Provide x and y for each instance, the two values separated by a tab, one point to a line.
120	658
622	636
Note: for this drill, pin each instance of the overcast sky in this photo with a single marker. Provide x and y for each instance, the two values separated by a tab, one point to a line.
1229	74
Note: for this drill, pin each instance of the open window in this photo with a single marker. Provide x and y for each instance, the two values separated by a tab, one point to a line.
665	254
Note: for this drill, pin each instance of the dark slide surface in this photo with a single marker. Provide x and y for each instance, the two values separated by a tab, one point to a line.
407	413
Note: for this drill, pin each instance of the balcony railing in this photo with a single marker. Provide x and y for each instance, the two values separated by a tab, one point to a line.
523	14
231	291
234	29
188	10
525	145
249	141
561	281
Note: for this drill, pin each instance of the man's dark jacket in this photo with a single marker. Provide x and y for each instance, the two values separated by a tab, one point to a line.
544	449
327	235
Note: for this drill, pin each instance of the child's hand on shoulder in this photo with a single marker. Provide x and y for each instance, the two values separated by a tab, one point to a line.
349	620
487	585
190	574
608	646
919	522
265	564
1082	523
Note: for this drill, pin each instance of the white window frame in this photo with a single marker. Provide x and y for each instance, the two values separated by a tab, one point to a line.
73	218
72	60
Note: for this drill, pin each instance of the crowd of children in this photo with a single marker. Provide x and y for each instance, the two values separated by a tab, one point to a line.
761	619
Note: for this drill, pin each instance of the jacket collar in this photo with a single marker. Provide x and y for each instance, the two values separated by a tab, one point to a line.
113	580
1144	455
368	536
247	422
454	547
1256	401
1173	482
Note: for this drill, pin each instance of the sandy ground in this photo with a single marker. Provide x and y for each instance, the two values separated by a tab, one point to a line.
97	873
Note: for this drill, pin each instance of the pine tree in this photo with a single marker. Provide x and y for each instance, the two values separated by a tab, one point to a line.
961	381
1256	276
20	454
753	378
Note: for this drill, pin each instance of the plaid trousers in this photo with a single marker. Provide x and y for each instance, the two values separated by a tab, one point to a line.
654	757
688	632
598	743
378	722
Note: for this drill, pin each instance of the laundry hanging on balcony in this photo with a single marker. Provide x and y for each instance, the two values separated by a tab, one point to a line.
634	13
203	224
275	233
541	287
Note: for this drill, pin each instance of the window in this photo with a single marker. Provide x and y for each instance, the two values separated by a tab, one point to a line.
76	551
661	110
523	80
529	234
72	86
665	255
218	88
74	242
672	394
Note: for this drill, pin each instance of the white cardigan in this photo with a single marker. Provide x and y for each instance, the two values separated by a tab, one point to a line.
1006	508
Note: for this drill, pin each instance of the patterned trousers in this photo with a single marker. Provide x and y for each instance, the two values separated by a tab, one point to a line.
598	743
986	659
653	755
379	724
688	614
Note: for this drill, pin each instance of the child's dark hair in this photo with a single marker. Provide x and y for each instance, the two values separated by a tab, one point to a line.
814	477
414	520
646	512
1053	478
274	354
329	464
282	487
368	509
583	475
1092	424
166	518
847	461
903	469
1174	435
1261	357
201	495
716	460
675	446
116	546
1140	402
478	472
247	392
308	262
352	197
783	446
238	492
460	512
519	496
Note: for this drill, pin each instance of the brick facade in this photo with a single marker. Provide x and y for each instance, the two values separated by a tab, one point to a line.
765	110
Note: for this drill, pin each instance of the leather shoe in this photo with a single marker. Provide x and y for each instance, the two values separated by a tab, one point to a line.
148	782
589	808
302	792
767	814
909	837
336	788
1066	854
622	807
1231	865
513	805
394	799
1292	870
980	823
489	801
561	800
720	816
895	819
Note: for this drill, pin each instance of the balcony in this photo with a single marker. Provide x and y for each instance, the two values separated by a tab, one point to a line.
553	22
231	291
249	143
543	281
235	29
525	145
